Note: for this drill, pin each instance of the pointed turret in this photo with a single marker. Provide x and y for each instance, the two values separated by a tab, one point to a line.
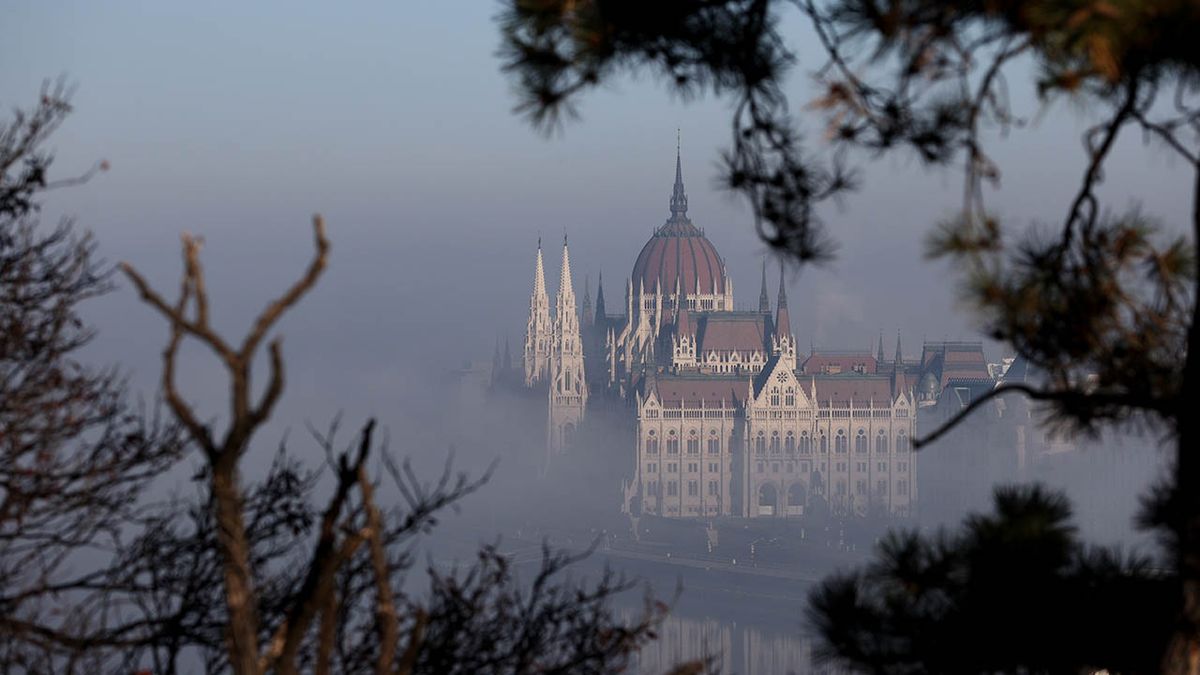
899	379
879	351
538	330
566	289
600	315
783	322
678	196
764	303
568	386
587	303
784	342
539	273
683	322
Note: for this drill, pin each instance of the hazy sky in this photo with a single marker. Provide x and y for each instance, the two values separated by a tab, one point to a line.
237	121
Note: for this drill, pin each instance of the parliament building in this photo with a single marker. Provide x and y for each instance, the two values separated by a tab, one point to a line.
731	418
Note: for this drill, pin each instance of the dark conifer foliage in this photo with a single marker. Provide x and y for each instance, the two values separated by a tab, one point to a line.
1100	302
1011	591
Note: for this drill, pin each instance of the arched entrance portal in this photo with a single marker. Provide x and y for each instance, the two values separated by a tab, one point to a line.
797	499
768	500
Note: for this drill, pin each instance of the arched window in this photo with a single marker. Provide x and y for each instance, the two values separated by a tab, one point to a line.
789	444
651	445
824	443
768	500
881	442
774	442
901	442
860	442
805	443
672	443
797	497
840	442
714	444
760	443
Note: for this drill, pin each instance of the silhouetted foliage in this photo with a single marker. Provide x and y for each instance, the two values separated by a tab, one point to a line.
1102	305
320	592
1013	591
297	570
74	455
555	628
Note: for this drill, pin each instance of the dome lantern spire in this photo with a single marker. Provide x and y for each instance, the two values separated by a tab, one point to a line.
678	196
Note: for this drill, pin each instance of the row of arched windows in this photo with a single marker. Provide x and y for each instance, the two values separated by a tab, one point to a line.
840	442
788	444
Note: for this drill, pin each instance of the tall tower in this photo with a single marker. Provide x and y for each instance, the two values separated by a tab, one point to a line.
538	334
764	304
784	342
568	389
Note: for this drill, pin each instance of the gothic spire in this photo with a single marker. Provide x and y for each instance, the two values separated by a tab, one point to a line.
899	358
783	322
683	323
600	297
678	196
539	327
879	352
565	288
539	273
587	302
764	303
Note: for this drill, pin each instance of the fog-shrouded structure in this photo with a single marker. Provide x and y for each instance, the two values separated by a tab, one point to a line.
730	418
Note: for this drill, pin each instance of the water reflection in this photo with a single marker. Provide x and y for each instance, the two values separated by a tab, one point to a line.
739	647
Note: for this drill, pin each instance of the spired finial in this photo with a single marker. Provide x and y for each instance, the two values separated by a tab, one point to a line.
678	196
764	303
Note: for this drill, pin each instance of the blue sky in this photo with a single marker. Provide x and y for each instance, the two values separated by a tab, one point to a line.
236	121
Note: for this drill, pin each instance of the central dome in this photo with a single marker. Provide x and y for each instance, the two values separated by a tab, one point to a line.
679	251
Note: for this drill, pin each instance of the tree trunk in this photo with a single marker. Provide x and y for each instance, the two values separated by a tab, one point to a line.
235	552
1183	653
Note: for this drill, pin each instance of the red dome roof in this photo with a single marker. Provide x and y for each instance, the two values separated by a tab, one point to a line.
680	250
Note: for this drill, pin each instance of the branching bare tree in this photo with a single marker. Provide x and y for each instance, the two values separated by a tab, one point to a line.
250	575
319	592
74	455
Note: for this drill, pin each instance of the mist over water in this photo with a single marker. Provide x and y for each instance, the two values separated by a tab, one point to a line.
436	195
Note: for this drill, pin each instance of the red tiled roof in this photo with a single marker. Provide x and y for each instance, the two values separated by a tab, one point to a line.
820	363
860	391
964	357
954	360
733	332
675	392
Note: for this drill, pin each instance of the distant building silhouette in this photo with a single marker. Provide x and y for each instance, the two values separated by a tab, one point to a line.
731	419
